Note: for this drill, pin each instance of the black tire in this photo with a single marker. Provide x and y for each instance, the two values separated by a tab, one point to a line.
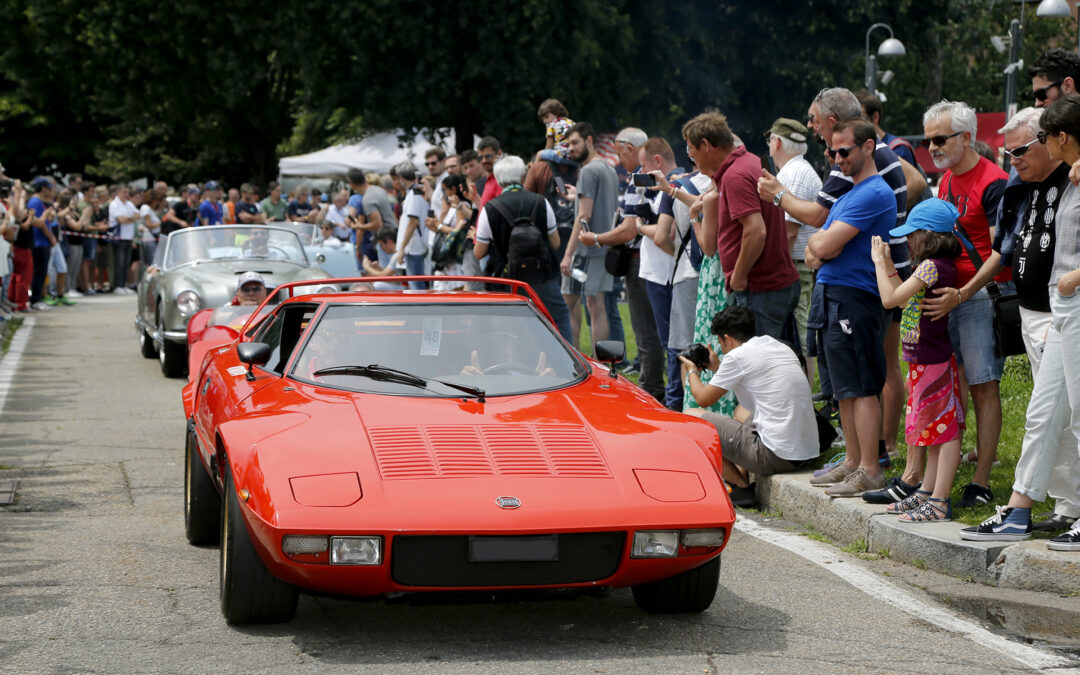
691	591
146	345
202	505
249	593
173	357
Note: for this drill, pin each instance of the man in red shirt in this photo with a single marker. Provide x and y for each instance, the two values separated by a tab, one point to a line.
489	152
752	235
974	185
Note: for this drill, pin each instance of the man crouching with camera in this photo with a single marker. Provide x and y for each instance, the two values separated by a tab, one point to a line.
774	429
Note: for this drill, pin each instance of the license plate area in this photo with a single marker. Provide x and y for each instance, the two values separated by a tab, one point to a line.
525	548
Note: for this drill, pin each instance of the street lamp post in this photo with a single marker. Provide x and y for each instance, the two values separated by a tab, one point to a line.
1057	8
890	47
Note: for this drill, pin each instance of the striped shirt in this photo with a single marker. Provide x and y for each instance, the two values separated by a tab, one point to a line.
1067	234
799	178
888	166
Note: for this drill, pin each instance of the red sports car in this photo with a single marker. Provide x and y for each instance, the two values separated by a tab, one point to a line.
373	442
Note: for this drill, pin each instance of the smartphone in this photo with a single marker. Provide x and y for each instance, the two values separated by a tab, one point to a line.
417	191
431	213
560	185
768	164
643	180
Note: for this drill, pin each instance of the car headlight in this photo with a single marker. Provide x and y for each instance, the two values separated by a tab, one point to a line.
703	538
655	544
356	550
188	302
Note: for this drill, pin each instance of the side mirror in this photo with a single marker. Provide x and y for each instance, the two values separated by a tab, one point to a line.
610	352
253	354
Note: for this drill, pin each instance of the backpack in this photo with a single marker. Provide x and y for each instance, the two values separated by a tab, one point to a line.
528	255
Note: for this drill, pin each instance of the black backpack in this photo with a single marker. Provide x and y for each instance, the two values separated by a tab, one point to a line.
528	256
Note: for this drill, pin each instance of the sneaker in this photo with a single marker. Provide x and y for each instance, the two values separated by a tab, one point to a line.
1055	523
895	490
90	291
65	300
974	495
835	475
856	483
995	528
40	306
884	461
73	294
1070	541
836	461
631	367
51	301
743	497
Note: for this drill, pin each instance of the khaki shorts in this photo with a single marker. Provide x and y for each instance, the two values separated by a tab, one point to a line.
741	445
599	281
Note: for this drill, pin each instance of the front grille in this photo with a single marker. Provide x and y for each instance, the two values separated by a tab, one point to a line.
438	560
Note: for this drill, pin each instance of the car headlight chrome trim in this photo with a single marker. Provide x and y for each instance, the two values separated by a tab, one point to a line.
655	544
300	544
706	538
356	550
188	302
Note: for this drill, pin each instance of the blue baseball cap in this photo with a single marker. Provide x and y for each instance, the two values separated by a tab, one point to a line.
41	182
932	215
211	185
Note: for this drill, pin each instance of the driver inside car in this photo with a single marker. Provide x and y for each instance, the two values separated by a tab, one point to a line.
258	246
498	355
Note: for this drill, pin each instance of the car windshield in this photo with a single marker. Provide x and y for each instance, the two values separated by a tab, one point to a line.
308	232
498	348
201	244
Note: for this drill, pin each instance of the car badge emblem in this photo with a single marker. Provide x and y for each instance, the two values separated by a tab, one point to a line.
508	502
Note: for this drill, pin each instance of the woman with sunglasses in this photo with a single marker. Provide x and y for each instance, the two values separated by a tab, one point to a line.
1053	412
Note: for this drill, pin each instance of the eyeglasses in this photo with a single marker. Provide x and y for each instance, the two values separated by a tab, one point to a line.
250	288
843	152
1021	150
938	140
487	156
431	163
1041	94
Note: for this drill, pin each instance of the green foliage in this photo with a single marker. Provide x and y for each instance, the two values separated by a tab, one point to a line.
186	91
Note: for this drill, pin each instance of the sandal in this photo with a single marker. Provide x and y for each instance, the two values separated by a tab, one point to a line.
929	511
972	457
909	503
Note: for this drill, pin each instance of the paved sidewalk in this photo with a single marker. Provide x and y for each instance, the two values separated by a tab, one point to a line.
1024	565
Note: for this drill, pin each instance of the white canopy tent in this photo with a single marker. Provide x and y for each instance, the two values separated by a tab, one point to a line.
377	153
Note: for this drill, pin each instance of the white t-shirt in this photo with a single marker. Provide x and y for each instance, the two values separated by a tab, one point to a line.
656	265
122	209
483	225
155	222
765	375
337	217
800	179
414	206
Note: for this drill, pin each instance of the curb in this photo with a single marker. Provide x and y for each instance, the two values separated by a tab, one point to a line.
1026	565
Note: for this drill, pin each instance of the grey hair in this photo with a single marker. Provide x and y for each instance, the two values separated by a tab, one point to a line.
632	135
789	146
1027	118
509	170
839	103
406	170
961	116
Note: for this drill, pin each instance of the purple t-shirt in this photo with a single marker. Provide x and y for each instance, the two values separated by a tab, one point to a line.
925	341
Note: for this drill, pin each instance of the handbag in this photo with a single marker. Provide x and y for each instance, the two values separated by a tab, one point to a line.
617	260
1008	336
449	248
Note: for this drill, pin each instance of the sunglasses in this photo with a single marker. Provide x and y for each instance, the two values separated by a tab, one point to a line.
1021	150
431	163
487	156
938	140
1041	94
843	152
250	288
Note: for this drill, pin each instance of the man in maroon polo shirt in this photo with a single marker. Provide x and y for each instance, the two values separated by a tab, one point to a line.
752	236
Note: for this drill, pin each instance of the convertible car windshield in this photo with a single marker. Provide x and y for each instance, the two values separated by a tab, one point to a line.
496	348
202	244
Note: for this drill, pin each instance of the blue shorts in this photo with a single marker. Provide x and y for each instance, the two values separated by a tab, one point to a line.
971	329
852	360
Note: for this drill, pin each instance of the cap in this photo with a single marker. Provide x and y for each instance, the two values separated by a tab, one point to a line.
191	190
248	277
785	127
41	182
933	215
212	185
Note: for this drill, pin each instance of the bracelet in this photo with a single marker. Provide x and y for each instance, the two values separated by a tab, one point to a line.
894	274
673	190
595	239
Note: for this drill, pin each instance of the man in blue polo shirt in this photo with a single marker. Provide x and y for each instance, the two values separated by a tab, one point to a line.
846	309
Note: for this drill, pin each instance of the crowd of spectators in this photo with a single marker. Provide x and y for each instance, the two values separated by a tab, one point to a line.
748	279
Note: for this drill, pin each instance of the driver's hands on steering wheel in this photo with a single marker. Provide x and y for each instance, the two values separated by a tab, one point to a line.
473	368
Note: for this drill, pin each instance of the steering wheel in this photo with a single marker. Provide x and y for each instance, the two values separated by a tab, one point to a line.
508	368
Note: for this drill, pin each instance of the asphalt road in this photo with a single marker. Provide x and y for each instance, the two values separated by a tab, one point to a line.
96	576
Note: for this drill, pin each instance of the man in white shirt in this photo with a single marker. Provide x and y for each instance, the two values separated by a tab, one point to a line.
774	430
122	218
337	213
411	250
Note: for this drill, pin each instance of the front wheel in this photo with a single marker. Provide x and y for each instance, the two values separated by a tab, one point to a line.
202	505
249	593
691	591
173	356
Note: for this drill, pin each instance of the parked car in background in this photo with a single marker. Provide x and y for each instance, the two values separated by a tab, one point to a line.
196	268
337	259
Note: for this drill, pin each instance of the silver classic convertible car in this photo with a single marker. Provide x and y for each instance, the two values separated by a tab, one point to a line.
196	268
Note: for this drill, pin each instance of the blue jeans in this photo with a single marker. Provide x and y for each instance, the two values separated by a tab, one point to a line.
971	329
771	308
660	300
550	295
415	266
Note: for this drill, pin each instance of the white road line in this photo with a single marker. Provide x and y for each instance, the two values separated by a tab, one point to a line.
830	559
10	362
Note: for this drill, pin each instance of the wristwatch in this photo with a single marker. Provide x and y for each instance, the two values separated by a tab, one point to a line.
776	199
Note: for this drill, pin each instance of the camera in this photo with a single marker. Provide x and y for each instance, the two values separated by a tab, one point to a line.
5	186
643	180
697	354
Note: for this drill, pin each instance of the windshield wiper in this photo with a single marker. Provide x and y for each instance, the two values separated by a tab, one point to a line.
387	374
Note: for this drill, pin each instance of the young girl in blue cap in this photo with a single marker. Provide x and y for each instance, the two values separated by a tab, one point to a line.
935	415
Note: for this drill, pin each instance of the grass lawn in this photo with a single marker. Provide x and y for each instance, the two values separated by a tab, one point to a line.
1016	384
7	331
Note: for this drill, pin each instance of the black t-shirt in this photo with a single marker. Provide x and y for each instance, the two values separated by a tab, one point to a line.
297	210
1033	258
184	212
24	238
245	207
